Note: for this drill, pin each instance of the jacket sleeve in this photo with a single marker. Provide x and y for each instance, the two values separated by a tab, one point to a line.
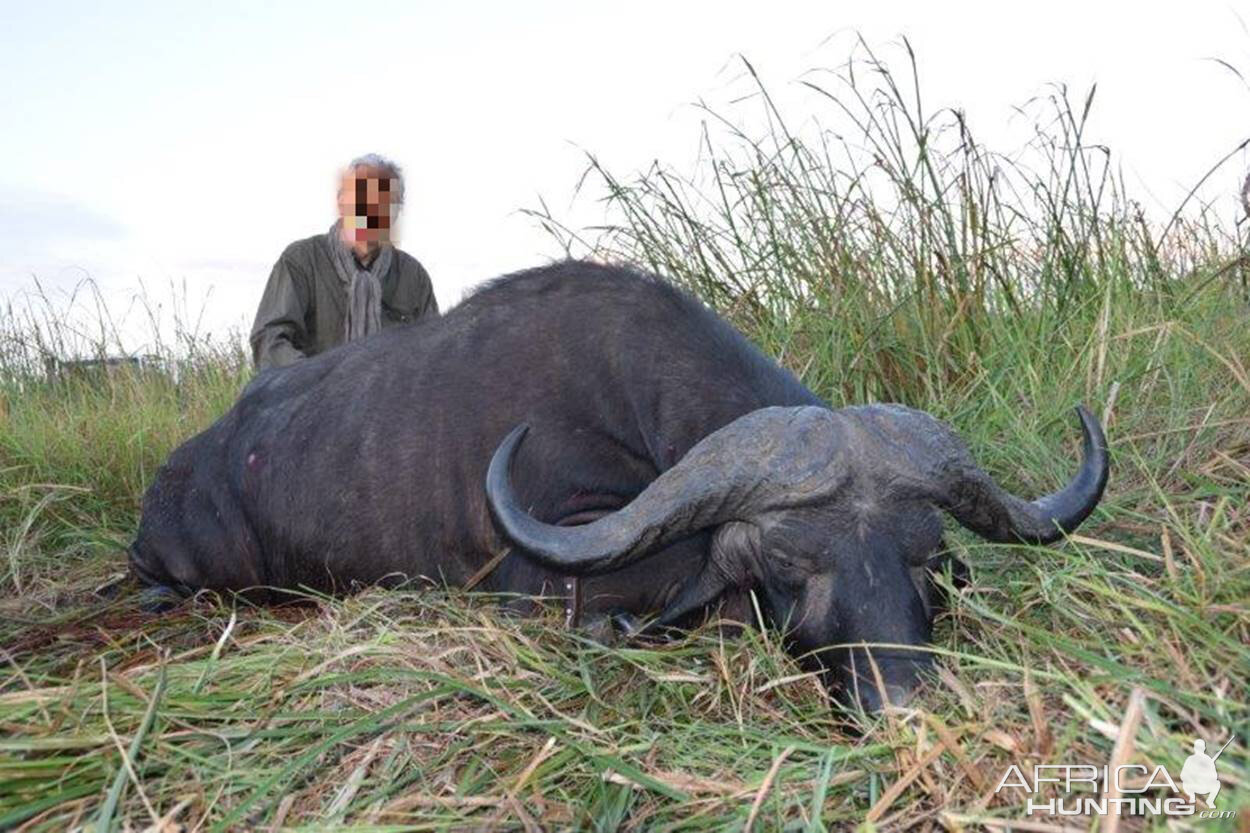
279	335
430	308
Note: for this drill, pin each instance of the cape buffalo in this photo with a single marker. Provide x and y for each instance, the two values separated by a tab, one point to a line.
634	451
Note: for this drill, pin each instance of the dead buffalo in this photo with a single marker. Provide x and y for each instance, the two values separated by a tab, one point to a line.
634	451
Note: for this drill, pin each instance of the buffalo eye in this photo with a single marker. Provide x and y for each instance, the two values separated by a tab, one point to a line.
787	568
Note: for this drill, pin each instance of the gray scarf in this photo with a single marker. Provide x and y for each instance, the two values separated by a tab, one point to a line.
364	286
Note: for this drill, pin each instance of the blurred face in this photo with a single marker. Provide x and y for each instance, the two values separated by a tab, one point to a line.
367	208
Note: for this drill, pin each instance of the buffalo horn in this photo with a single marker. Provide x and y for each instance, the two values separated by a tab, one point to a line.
749	466
981	505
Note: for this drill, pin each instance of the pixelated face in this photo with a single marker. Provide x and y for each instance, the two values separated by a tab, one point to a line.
366	205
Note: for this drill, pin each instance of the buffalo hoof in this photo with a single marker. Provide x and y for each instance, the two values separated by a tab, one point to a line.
627	625
158	599
602	630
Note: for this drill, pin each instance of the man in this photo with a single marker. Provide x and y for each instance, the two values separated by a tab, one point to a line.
345	284
1198	775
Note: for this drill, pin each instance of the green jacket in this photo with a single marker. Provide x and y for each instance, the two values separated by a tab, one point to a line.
305	303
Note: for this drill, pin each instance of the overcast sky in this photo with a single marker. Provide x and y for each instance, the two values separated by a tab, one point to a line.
191	142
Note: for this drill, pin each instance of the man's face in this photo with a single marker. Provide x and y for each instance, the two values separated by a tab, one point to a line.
366	207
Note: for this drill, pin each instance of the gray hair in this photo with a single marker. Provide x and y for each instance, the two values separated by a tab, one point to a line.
388	167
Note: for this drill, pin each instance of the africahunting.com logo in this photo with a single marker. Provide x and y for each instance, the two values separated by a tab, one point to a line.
1086	789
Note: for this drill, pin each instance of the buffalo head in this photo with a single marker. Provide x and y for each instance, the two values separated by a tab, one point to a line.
830	516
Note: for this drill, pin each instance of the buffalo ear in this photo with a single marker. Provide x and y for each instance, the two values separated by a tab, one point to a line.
735	554
937	565
961	576
927	580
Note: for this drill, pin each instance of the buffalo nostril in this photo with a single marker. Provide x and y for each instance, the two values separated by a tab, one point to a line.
897	695
159	598
872	700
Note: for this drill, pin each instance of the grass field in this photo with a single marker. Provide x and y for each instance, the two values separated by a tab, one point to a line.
894	260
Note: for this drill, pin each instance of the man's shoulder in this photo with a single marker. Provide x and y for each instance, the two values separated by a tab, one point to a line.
409	265
304	247
304	257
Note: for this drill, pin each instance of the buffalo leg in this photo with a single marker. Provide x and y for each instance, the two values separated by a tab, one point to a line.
698	591
726	568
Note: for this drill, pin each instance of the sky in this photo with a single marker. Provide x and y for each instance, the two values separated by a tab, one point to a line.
170	151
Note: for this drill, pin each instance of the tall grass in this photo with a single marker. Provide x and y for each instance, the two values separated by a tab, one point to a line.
79	446
887	255
897	241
